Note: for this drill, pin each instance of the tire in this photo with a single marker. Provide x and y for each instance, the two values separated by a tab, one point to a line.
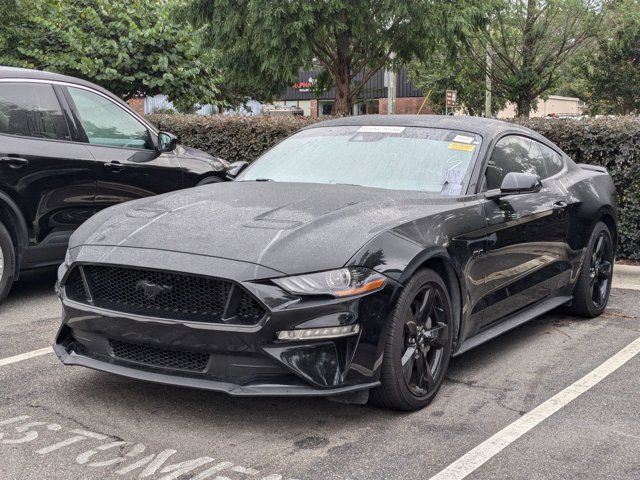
7	262
409	349
591	293
209	180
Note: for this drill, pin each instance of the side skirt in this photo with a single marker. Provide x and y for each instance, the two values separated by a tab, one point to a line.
512	322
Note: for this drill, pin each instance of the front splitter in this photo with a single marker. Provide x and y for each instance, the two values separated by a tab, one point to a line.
204	384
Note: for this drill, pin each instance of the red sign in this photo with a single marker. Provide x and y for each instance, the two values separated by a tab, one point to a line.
301	85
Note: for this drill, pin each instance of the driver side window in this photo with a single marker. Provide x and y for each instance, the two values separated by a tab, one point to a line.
107	124
512	154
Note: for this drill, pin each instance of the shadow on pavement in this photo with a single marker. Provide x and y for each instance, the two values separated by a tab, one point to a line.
33	283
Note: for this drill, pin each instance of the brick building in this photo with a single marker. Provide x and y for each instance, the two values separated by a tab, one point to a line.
372	98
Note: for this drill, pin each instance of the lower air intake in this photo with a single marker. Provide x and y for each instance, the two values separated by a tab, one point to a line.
159	357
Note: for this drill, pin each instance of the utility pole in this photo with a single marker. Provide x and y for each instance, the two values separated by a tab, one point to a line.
391	87
487	79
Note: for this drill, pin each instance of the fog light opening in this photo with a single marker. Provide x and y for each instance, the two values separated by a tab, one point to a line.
316	333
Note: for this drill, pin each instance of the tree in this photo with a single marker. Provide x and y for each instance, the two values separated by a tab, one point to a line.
266	43
528	41
130	47
441	71
613	73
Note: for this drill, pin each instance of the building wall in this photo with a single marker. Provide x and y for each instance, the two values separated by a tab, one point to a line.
374	88
305	105
137	104
315	108
554	104
161	102
405	105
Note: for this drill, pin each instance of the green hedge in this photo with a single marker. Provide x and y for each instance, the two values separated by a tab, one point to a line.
612	142
232	137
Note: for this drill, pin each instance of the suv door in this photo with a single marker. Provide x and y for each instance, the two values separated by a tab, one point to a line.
131	166
527	250
48	175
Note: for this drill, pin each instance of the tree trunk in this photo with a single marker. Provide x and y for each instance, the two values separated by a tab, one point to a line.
343	93
523	105
529	44
342	75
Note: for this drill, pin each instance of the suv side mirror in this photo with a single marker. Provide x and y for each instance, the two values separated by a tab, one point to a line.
516	183
167	142
236	168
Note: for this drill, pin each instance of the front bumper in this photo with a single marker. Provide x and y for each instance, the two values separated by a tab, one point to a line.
238	360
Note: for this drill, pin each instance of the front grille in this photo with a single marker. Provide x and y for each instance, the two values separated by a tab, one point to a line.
159	357
164	294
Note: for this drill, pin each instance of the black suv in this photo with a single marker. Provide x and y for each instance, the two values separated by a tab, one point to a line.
69	148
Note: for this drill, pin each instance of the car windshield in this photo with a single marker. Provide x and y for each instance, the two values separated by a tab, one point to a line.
398	158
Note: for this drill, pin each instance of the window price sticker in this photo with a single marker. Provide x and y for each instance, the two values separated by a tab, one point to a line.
464	147
380	129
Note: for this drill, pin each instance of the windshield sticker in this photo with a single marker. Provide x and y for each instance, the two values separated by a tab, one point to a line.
452	181
380	129
452	175
465	147
462	139
451	189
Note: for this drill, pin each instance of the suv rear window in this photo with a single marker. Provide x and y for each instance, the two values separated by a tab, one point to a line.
31	110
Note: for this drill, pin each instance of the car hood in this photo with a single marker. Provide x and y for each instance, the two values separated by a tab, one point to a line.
289	227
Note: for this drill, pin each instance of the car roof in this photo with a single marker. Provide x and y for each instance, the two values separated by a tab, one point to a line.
30	74
485	127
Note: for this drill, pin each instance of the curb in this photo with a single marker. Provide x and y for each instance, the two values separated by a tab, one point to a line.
626	276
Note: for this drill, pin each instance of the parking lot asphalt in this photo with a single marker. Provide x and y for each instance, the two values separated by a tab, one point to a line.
60	422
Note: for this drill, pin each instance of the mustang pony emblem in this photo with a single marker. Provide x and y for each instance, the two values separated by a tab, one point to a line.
152	290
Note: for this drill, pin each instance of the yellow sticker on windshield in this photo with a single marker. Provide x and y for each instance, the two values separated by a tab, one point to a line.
465	147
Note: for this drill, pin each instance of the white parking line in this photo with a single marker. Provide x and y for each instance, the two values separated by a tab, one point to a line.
25	356
494	445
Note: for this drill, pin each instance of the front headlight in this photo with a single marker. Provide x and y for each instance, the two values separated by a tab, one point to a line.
342	282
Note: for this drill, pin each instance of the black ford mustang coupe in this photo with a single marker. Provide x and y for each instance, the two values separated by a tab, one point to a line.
352	259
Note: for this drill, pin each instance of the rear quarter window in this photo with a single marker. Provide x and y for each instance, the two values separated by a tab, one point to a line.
31	110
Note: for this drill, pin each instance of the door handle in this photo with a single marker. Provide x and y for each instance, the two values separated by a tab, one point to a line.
114	166
560	205
14	162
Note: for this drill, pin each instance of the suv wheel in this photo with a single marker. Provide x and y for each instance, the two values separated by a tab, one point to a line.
7	262
209	180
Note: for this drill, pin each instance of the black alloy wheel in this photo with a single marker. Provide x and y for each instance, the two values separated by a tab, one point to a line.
418	344
591	292
600	269
425	336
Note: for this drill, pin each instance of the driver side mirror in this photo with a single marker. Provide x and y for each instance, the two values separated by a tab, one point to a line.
236	168
516	183
167	142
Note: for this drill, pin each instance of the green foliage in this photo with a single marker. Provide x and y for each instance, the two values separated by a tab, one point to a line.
613	143
529	42
131	47
613	74
266	43
441	71
232	137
